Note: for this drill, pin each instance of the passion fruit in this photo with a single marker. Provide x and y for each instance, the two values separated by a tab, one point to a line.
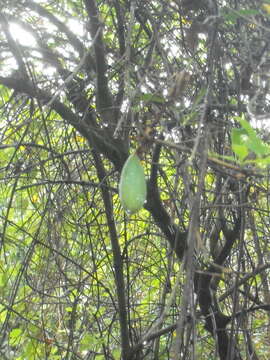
132	185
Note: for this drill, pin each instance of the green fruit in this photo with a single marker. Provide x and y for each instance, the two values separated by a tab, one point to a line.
132	186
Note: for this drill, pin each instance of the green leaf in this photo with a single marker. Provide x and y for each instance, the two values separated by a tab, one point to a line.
238	136
15	336
253	142
241	151
117	353
151	98
233	15
247	12
15	333
245	140
200	96
86	342
238	143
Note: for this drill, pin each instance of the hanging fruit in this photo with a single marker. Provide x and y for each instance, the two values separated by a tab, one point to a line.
132	186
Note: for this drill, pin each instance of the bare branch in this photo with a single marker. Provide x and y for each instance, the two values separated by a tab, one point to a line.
74	41
14	47
104	98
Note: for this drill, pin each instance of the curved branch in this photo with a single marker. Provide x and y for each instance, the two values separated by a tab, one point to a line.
14	47
176	238
104	98
114	150
122	48
74	41
215	320
117	258
30	89
256	271
120	27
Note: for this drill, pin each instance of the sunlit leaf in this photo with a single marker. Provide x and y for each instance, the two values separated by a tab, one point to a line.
266	7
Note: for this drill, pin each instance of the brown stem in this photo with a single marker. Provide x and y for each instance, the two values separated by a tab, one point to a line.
104	98
117	258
